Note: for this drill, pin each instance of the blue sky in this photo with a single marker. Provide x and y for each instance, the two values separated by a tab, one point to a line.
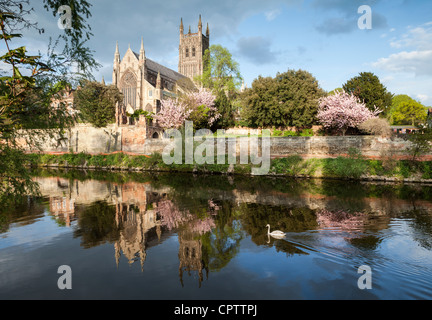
266	37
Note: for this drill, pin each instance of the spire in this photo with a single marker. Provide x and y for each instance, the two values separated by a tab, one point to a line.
189	30
103	80
208	31
117	54
200	24
142	51
181	26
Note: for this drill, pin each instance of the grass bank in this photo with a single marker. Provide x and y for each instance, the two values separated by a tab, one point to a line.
354	166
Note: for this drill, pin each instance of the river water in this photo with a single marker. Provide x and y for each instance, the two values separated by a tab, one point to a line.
181	236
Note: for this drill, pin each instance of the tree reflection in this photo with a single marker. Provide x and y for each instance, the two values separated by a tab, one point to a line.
208	237
256	216
341	219
420	222
96	224
172	218
22	209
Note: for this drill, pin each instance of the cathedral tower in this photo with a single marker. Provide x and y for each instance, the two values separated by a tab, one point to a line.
191	50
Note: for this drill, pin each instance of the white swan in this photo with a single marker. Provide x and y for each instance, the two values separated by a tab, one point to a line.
276	233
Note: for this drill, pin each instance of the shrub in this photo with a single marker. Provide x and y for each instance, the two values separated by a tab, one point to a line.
289	133
352	166
421	141
277	133
376	126
307	133
290	165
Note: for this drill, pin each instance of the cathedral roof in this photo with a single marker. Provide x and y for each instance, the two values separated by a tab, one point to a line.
164	71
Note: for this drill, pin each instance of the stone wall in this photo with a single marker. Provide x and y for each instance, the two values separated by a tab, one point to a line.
133	140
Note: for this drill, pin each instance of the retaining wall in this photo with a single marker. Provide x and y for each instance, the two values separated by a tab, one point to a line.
133	140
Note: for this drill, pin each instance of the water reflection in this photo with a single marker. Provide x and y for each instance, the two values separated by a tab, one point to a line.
211	216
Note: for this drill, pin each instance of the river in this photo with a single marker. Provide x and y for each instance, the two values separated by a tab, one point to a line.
184	236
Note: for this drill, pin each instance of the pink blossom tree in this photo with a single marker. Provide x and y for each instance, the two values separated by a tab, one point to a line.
198	107
172	217
341	219
342	111
201	104
172	115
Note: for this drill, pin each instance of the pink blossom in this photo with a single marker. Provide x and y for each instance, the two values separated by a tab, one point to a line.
172	217
204	97
342	111
340	219
172	115
174	112
202	226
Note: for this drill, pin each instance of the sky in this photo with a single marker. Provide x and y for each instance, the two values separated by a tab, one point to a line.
322	37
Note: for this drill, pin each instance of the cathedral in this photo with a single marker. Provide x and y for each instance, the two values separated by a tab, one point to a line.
144	82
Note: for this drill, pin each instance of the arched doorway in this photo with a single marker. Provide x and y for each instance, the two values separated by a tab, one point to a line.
155	135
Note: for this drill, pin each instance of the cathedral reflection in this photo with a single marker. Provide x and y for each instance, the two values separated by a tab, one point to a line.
63	208
191	256
142	217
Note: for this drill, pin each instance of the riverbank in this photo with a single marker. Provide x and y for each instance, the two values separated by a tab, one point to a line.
353	166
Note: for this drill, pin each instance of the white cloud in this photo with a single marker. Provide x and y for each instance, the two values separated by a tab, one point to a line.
422	97
409	69
417	62
419	38
271	15
417	59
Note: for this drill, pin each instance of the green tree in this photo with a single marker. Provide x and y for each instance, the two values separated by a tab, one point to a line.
368	88
97	102
226	110
395	116
333	92
409	112
289	99
221	71
29	83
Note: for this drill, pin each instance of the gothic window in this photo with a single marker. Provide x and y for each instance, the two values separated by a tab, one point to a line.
158	106
193	51
149	108
187	52
128	88
150	93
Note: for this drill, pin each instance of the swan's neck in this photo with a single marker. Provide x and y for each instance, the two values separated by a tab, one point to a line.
268	227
